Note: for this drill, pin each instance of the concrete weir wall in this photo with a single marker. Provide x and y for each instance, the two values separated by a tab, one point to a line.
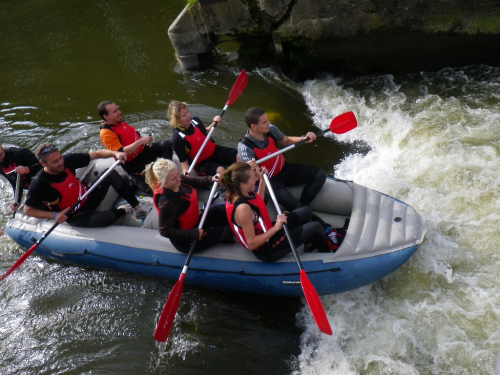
305	37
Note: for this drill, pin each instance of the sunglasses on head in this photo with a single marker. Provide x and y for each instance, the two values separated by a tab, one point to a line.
46	150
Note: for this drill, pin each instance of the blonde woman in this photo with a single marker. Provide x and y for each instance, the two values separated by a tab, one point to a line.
250	221
189	135
176	203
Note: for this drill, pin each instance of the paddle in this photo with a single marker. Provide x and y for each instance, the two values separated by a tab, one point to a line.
17	192
168	314
35	245
339	125
310	293
238	87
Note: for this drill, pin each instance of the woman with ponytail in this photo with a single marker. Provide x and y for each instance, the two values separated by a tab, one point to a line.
250	222
176	203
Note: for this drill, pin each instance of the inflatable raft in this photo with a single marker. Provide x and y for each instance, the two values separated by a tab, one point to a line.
383	233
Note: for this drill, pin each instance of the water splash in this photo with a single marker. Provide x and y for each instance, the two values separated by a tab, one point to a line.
433	144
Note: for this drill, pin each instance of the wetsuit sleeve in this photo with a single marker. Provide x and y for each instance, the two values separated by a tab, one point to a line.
168	212
276	132
245	153
110	140
179	147
198	181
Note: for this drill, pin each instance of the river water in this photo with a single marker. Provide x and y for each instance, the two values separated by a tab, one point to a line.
429	139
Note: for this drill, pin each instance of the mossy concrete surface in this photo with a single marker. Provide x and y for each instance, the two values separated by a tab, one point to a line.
365	36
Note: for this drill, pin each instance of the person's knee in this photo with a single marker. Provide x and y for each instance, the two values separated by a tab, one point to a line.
320	177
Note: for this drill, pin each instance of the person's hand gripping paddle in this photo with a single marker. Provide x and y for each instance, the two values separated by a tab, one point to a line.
238	87
339	125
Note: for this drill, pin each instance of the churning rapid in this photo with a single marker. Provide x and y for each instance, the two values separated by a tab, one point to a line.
433	143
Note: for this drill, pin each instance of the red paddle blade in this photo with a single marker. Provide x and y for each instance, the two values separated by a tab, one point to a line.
315	305
343	123
19	262
238	87
168	314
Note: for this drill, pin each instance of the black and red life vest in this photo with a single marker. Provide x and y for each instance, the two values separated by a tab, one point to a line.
127	135
70	190
261	222
16	162
188	202
195	141
273	165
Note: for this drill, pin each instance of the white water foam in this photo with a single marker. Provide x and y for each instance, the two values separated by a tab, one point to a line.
434	144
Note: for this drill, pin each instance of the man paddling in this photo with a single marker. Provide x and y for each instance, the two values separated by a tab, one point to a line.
262	139
55	188
117	135
14	161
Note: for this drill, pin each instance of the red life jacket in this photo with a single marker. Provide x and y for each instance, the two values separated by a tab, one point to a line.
127	135
195	140
191	216
273	165
261	222
70	190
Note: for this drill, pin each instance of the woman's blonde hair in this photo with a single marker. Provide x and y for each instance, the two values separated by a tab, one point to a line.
156	172
174	112
232	177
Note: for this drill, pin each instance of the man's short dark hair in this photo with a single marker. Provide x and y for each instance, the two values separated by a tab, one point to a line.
252	115
101	108
44	150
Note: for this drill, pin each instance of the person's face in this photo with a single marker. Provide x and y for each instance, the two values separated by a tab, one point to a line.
54	163
184	118
2	153
114	115
173	180
262	125
249	185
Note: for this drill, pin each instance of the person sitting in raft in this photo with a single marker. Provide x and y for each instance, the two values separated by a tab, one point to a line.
116	135
189	135
262	139
176	203
249	219
13	161
55	189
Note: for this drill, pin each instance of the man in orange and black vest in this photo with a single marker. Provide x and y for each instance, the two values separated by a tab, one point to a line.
263	139
117	135
14	161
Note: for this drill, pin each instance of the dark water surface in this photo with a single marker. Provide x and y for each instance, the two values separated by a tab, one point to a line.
58	60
